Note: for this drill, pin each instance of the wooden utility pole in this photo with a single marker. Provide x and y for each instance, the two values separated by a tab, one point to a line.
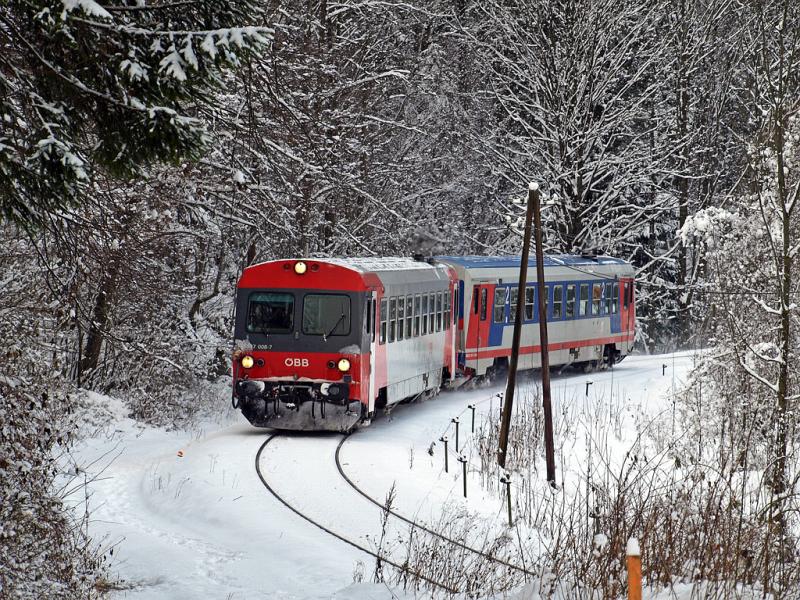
548	411
533	211
508	400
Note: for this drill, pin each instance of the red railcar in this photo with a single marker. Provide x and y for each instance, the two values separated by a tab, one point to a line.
323	344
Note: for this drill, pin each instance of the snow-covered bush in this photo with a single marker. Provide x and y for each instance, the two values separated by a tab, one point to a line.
682	490
45	551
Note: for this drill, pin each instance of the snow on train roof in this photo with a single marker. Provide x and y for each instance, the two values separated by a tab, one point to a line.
375	264
550	260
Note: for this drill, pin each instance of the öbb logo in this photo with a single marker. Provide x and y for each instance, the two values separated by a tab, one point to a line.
296	362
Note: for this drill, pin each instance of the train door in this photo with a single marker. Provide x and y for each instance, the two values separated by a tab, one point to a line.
626	311
618	321
479	322
372	306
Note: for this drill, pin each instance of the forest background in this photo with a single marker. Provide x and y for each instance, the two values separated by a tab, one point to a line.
149	153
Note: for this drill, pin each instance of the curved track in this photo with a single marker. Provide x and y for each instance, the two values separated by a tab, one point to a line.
350	542
420	526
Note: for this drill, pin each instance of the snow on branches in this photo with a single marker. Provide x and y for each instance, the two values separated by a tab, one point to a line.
111	73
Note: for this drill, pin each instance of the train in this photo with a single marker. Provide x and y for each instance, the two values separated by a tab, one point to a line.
326	343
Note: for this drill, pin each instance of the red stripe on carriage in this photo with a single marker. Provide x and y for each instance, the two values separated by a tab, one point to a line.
496	352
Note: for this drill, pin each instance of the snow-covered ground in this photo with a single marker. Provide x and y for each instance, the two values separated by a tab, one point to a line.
188	517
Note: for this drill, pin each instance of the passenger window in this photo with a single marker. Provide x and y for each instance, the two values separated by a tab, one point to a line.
401	314
597	298
455	306
484	299
439	311
571	301
609	297
500	304
368	316
417	308
584	299
392	319
558	298
432	312
475	300
446	317
529	303
424	314
548	290
382	338
409	315
513	298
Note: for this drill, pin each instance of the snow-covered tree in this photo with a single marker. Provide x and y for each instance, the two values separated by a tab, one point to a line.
750	250
113	86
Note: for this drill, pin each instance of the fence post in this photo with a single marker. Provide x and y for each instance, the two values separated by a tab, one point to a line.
463	460
444	439
472	408
455	420
634	557
506	479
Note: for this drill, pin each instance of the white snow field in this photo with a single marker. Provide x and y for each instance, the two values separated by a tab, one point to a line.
188	517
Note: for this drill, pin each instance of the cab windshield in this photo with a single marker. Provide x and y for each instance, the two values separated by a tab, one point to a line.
326	314
270	312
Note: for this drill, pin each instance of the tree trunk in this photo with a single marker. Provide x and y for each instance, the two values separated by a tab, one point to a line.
779	482
99	324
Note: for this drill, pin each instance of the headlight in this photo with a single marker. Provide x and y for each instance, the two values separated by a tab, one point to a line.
247	361
300	267
343	365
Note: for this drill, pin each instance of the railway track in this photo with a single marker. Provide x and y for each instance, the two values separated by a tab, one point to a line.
387	560
420	526
449	588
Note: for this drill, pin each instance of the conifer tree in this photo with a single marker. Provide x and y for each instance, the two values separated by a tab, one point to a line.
113	86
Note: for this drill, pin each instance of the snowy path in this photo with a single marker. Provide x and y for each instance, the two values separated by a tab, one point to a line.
203	525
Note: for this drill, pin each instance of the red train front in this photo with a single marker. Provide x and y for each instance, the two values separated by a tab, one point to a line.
300	347
323	344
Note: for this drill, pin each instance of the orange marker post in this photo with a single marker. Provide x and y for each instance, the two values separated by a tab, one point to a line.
634	556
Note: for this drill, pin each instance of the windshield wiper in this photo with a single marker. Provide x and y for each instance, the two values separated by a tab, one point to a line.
325	337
